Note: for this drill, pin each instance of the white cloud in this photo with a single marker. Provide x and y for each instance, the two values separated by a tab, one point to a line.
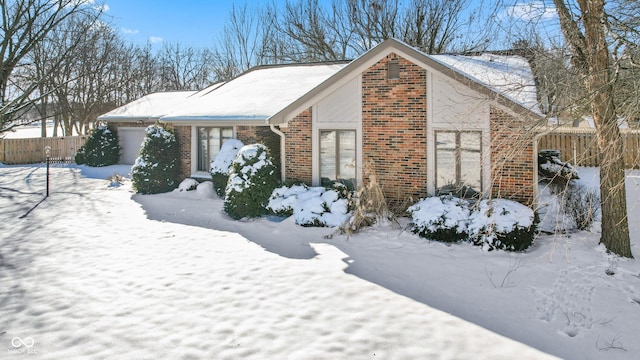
129	31
533	10
155	39
103	7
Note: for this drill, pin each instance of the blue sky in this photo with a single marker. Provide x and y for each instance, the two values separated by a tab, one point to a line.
190	22
197	23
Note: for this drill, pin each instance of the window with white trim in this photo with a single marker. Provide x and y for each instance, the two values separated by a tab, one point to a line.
210	140
459	160
338	157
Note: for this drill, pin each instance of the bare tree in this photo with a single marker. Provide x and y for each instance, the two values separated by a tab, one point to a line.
244	41
24	24
584	29
185	68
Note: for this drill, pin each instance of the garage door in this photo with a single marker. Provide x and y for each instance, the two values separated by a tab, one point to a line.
130	140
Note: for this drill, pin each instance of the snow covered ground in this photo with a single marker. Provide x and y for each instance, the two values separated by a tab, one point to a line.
96	272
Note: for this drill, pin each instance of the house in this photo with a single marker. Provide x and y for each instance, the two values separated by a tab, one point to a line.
130	118
422	122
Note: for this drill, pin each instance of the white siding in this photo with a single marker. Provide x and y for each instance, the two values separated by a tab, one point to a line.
457	107
130	139
341	106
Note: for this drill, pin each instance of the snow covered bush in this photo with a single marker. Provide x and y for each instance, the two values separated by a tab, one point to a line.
101	148
552	169
188	185
502	224
442	218
581	204
222	163
284	198
316	206
157	167
252	178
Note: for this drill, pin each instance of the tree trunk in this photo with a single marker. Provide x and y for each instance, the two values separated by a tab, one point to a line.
615	227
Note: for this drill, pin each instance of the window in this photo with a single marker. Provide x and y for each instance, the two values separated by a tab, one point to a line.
210	139
393	70
338	157
459	160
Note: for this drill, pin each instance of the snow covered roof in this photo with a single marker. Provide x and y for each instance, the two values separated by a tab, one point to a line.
509	76
147	107
255	95
506	79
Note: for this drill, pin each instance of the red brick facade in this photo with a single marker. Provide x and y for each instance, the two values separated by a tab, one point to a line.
512	172
394	128
298	149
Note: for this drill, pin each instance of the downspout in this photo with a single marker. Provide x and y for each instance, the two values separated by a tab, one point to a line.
282	150
536	139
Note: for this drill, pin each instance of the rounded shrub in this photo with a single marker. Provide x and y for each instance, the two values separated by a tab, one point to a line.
252	179
442	218
157	169
101	148
502	224
222	163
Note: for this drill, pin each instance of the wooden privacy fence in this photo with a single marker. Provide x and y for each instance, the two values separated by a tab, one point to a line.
580	147
32	150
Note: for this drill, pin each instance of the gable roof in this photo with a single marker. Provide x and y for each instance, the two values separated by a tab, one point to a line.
147	107
256	95
507	79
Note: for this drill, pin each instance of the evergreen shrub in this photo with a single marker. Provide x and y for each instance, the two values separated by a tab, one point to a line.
442	218
252	179
101	148
157	169
502	224
222	163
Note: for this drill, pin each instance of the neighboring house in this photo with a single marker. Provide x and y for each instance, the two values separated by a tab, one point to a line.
422	122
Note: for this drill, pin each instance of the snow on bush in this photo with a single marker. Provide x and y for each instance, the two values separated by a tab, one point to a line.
101	148
442	218
156	169
502	224
551	168
492	224
187	185
283	199
316	206
221	165
252	178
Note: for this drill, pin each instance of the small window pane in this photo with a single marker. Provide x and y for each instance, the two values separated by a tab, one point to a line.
393	70
347	155
327	156
470	163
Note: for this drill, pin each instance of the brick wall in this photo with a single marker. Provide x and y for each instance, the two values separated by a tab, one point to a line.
512	172
183	134
394	128
298	150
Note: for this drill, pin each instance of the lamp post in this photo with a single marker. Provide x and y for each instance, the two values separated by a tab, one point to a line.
47	153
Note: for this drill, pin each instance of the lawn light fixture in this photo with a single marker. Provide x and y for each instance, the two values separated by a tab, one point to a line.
47	153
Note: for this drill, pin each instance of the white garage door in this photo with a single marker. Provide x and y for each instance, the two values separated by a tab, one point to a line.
130	140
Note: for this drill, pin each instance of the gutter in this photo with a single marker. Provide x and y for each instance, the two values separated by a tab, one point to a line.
283	177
